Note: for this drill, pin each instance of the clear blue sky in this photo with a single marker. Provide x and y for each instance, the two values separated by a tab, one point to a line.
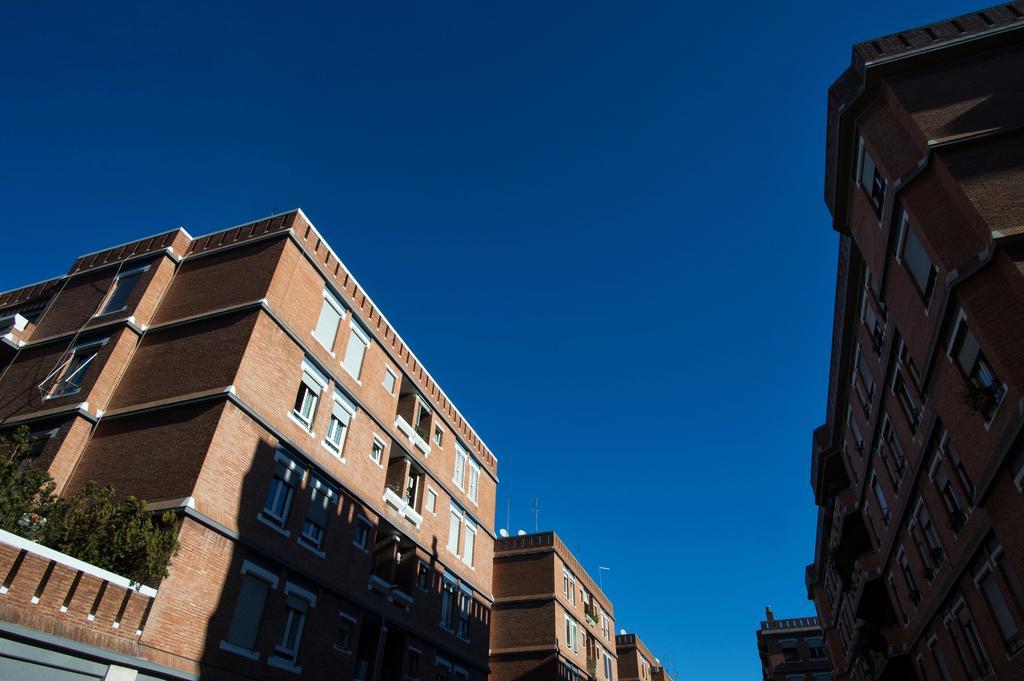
600	225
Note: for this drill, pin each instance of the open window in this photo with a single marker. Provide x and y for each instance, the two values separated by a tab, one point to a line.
67	378
120	290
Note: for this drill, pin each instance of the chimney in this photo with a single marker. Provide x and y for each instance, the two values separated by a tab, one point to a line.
768	613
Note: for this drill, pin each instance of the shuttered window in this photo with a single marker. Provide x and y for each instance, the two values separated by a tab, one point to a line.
245	621
358	341
331	314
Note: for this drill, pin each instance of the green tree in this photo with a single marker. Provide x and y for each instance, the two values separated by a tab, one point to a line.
92	524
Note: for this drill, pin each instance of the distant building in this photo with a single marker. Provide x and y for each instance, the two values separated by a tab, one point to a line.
636	661
792	649
550	620
919	468
336	507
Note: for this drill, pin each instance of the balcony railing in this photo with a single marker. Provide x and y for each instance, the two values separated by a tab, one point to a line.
413	436
402	506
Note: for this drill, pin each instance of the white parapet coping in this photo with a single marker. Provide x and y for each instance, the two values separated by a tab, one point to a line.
21	543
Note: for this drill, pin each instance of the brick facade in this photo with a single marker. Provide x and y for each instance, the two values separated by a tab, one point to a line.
918	469
792	649
177	369
550	619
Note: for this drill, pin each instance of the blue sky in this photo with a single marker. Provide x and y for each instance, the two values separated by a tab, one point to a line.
600	225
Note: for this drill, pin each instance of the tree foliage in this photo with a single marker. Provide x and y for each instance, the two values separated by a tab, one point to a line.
92	524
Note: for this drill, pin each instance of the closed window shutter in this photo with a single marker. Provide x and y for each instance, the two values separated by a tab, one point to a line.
339	412
327	325
353	361
248	611
474	480
323	499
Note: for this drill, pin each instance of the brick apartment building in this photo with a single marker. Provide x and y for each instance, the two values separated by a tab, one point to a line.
336	508
918	469
636	662
792	649
549	620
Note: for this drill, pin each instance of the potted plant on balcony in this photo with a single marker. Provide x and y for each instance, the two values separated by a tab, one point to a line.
980	398
592	666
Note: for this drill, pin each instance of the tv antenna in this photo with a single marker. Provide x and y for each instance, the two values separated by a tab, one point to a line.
536	514
600	575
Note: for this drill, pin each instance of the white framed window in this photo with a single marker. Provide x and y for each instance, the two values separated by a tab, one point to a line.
461	457
469	542
454	527
308	397
432	500
288	474
364	528
323	499
120	290
870	178
346	628
358	341
910	252
377	451
473	489
985	389
68	377
298	601
342	412
390	380
438	435
449	589
465	607
608	666
571	631
412	667
331	314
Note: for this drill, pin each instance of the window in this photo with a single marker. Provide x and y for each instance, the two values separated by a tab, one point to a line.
870	179
870	317
438	435
322	501
358	341
461	457
474	480
984	390
569	583
908	576
448	589
363	530
467	551
343	638
883	505
863	382
331	313
422	576
960	625
790	653
940	659
923	520
996	581
822	676
120	290
891	453
390	380
465	606
570	633
342	411
297	603
912	254
950	498
454	525
377	451
69	375
256	583
431	500
288	473
858	439
412	667
816	647
306	400
607	665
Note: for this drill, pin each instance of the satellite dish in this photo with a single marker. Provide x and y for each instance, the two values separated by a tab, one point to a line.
503	532
521	533
622	631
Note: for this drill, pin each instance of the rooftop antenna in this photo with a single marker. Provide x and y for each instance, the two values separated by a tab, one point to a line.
536	514
601	569
508	510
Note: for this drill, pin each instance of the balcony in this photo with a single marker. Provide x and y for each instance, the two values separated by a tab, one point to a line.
404	488
414	418
394	567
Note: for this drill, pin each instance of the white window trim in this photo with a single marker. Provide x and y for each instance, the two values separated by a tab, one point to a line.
100	312
389	372
363	520
431	490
